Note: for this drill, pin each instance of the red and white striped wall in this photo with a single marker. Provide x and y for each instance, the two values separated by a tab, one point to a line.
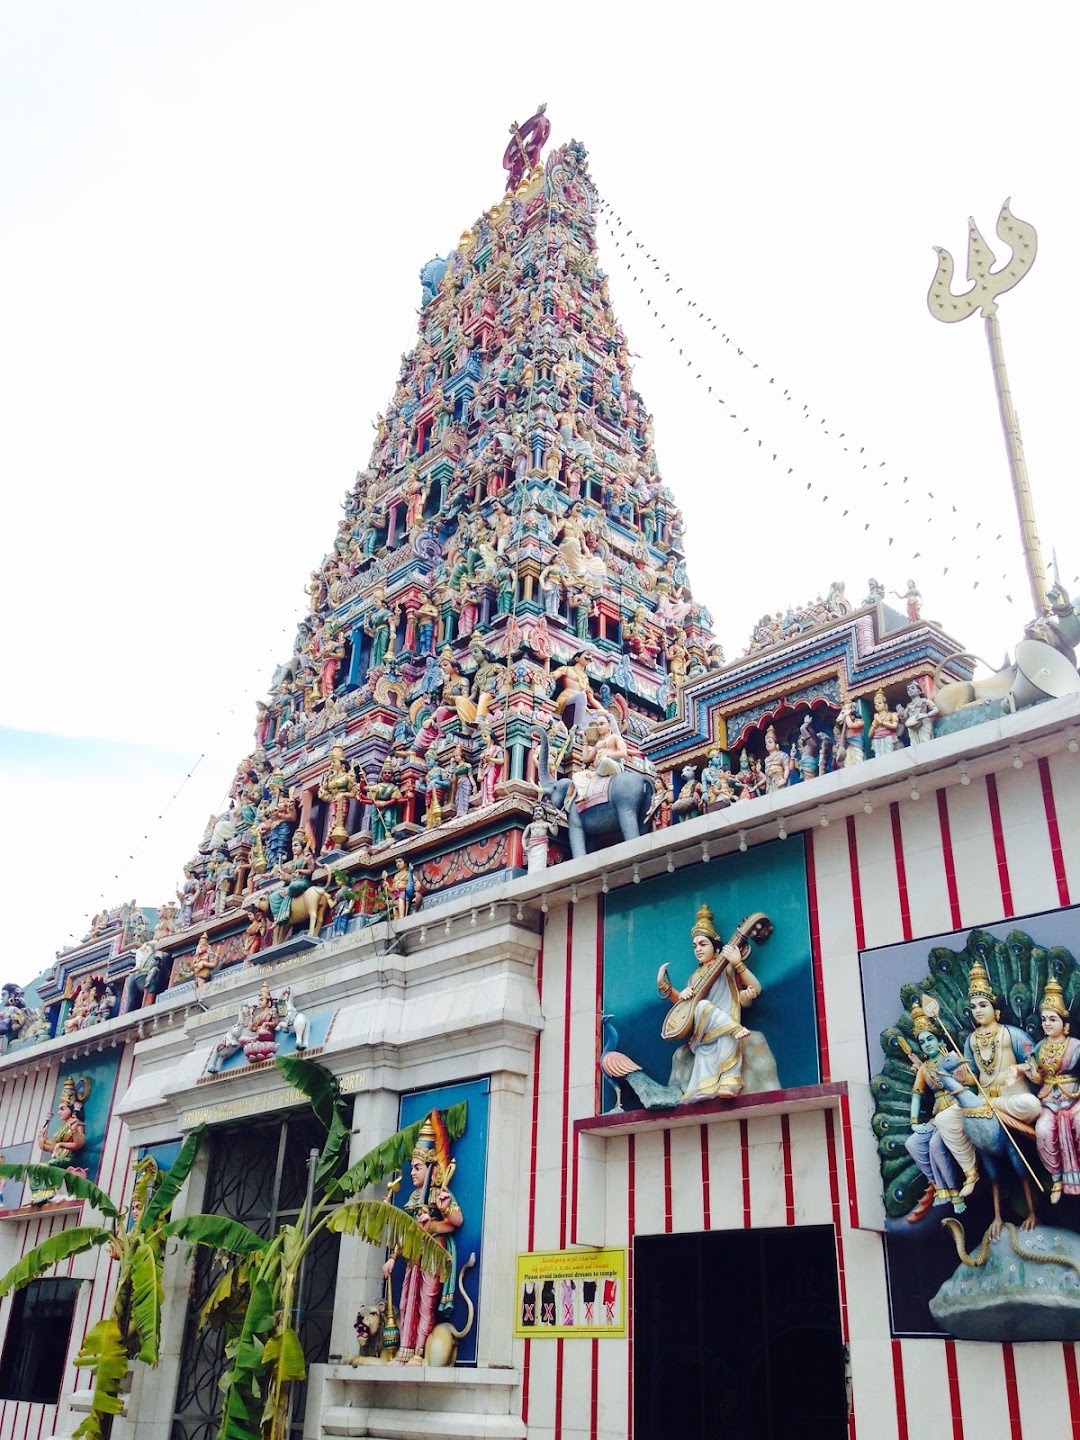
26	1102
1005	844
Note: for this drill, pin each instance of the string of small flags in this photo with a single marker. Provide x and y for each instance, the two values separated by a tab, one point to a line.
615	225
245	700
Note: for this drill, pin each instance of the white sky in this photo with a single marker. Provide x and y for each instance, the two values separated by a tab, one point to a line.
212	216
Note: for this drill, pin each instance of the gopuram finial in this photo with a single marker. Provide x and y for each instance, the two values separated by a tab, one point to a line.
523	152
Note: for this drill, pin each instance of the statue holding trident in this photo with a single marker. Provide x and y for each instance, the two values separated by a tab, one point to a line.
986	286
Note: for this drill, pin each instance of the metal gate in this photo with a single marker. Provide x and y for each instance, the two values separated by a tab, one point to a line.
257	1174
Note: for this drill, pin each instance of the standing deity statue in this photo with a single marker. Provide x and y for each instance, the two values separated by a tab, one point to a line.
884	724
432	1204
337	787
918	715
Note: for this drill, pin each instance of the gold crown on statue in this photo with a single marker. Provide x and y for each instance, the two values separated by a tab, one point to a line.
979	987
75	1091
703	925
1054	999
428	1146
921	1021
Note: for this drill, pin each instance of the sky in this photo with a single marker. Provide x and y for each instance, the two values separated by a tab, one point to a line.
212	219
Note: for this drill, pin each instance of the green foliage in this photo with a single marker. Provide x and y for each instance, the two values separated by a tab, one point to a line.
394	1153
380	1223
161	1202
216	1231
265	1354
134	1327
50	1252
104	1352
55	1177
147	1294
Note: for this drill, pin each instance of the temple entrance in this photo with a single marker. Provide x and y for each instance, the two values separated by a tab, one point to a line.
737	1336
256	1174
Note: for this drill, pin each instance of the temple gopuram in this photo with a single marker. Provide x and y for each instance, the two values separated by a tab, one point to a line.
506	776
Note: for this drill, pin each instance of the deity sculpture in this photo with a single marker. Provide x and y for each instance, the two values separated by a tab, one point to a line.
1055	1068
912	598
258	1029
377	624
918	715
399	889
884	724
338	788
576	696
69	1137
490	770
432	1204
777	764
295	876
14	1013
849	732
535	837
279	821
719	1057
203	963
603	754
716	789
942	1151
385	798
331	653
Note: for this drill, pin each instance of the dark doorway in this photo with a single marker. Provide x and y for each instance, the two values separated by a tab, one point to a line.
737	1336
258	1174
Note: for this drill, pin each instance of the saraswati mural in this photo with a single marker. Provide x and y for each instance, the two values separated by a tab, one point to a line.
977	1118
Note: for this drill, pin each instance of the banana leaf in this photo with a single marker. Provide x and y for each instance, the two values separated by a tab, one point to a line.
103	1351
324	1095
217	1232
147	1295
223	1305
46	1177
313	1081
163	1197
380	1223
50	1252
241	1416
285	1353
393	1154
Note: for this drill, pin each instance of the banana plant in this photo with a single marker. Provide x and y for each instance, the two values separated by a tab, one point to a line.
257	1297
136	1240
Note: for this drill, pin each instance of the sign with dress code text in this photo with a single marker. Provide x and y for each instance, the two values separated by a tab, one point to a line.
563	1293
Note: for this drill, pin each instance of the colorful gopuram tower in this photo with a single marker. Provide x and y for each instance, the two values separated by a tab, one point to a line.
512	514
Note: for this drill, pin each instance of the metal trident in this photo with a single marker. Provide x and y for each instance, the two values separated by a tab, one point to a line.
986	286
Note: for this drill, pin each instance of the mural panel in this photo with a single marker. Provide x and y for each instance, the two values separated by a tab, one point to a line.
739	992
465	1185
977	1118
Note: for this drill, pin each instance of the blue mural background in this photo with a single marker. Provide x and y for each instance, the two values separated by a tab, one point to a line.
286	1043
102	1072
470	1153
646	924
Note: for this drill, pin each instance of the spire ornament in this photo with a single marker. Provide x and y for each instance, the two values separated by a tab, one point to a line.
986	286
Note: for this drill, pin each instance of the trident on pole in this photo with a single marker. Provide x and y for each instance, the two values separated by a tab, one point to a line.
986	286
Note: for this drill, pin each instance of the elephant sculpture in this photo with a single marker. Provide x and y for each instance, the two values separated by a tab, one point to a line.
629	798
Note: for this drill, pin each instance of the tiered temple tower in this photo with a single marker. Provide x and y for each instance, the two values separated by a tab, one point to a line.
512	514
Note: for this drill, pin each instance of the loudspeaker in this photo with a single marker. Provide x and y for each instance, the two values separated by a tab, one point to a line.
1042	673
